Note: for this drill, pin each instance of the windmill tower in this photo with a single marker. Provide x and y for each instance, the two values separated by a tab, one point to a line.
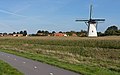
92	24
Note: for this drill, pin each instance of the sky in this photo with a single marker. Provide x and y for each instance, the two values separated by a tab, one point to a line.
56	15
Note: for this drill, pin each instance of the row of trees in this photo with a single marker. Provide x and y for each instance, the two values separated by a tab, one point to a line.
112	30
69	33
21	32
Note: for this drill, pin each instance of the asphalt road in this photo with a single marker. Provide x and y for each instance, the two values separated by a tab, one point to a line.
30	67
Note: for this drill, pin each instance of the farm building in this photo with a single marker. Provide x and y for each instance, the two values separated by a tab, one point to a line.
17	35
74	34
60	34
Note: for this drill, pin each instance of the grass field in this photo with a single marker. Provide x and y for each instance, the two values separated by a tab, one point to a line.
88	56
6	69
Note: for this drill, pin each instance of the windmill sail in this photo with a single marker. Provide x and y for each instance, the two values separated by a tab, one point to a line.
90	11
98	19
83	20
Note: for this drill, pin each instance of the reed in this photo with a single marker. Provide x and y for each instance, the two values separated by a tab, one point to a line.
83	55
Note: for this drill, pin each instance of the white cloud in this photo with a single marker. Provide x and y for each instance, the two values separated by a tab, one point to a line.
23	8
11	13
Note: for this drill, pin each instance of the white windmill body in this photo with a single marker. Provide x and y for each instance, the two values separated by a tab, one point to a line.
92	30
92	24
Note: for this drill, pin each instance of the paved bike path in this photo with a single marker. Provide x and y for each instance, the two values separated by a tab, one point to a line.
30	67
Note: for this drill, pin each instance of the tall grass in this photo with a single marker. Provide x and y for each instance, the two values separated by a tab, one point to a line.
83	55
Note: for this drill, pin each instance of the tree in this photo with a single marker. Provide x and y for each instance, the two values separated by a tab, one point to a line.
118	32
78	33
4	33
14	33
46	33
60	32
21	32
18	32
42	31
112	30
39	31
100	34
24	33
53	32
69	33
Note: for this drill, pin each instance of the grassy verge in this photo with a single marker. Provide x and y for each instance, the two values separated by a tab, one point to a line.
79	68
87	56
6	69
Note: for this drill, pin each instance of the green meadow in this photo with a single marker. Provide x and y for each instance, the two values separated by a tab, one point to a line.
6	69
87	56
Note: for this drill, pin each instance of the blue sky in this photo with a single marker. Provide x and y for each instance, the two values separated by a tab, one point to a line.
55	15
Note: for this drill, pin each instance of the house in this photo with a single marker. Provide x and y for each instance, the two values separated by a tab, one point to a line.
17	35
74	34
1	34
59	34
40	34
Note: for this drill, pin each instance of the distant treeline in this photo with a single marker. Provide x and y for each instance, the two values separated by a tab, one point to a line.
21	32
110	31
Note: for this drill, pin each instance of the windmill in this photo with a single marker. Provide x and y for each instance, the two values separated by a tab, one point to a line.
92	24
